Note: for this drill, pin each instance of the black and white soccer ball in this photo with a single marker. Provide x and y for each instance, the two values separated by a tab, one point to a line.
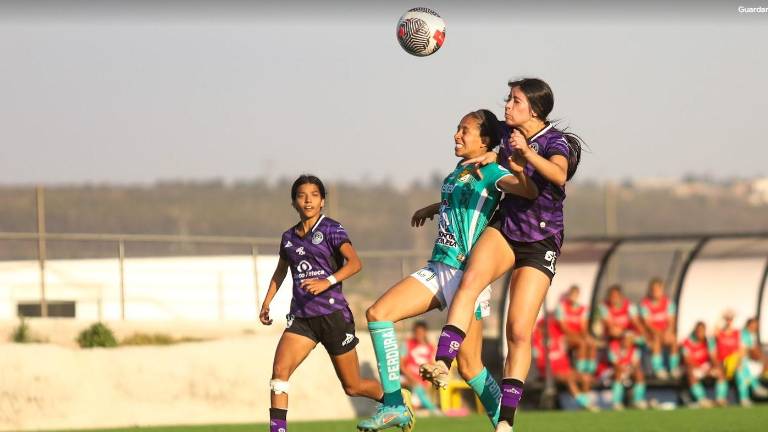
421	31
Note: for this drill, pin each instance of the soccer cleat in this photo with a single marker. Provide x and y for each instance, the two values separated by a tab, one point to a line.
746	403
436	373
676	373
641	405
618	406
760	392
721	403
662	374
388	416
503	427
704	403
408	400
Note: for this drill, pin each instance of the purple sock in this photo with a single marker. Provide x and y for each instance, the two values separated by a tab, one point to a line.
277	420
511	393
448	345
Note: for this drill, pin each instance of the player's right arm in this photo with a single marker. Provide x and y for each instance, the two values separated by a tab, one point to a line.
277	279
420	217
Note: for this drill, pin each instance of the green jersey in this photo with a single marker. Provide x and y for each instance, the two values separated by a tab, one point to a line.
466	204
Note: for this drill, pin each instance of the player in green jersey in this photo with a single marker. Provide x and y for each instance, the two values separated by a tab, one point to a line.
468	199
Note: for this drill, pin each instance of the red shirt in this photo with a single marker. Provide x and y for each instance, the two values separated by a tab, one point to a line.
620	316
556	351
573	316
727	342
697	352
417	354
620	355
659	317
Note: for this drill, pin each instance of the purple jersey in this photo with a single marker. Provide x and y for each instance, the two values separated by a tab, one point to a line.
526	220
316	256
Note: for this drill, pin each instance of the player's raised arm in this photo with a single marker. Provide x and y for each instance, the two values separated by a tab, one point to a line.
274	284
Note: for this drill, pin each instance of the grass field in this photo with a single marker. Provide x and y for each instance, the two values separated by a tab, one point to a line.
682	420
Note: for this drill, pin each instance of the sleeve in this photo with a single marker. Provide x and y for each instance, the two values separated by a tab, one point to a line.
633	310
492	173
644	311
602	311
283	254
747	339
557	146
672	308
612	357
559	313
337	236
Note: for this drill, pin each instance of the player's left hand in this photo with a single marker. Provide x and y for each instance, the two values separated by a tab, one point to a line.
315	286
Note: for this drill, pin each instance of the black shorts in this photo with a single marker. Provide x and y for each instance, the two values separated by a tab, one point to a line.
540	255
335	333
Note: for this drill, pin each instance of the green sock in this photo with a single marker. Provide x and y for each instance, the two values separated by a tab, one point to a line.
387	359
674	361
638	394
582	365
487	389
657	363
721	390
697	390
618	393
426	402
582	399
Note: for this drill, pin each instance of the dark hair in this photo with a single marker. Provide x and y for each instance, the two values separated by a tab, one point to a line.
307	179
750	321
420	323
654	281
542	100
489	127
614	287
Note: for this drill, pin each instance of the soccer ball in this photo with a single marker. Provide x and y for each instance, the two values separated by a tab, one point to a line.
421	31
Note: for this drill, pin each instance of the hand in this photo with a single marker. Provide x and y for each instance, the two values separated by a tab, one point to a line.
518	142
487	158
420	217
315	286
264	315
517	163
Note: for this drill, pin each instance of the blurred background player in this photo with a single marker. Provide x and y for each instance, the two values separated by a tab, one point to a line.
754	352
700	362
320	256
526	236
578	384
619	315
732	356
572	321
417	351
658	315
467	201
625	357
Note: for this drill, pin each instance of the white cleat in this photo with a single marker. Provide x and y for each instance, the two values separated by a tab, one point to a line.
436	373
503	427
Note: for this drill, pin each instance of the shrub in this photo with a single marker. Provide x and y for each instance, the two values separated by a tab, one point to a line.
97	335
21	333
155	339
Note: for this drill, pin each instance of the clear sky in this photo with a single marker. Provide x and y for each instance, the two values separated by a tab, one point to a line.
138	91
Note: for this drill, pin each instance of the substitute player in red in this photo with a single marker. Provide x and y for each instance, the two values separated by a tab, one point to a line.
699	355
578	384
658	314
624	356
572	319
416	351
619	315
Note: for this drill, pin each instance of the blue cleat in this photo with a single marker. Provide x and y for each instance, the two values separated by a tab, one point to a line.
389	416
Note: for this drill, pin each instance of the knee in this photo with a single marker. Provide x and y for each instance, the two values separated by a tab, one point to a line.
471	280
517	335
374	313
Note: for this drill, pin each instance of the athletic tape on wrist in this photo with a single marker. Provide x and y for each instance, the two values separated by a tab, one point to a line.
332	280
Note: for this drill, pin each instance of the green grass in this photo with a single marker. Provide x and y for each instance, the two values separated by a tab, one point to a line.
713	420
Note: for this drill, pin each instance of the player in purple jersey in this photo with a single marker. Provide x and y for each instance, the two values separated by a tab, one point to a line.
525	236
320	256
